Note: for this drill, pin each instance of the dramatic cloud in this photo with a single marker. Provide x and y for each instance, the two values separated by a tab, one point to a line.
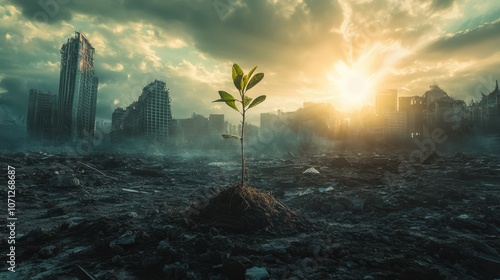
324	51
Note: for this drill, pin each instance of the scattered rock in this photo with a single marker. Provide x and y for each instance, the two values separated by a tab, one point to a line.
432	158
56	211
222	243
126	239
164	249
310	171
47	251
257	273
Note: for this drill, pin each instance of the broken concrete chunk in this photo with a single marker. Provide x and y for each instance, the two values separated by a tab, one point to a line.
311	170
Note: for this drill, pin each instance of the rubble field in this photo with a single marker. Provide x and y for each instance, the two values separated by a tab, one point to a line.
367	216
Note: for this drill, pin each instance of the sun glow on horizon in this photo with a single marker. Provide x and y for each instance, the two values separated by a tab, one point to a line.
354	84
353	87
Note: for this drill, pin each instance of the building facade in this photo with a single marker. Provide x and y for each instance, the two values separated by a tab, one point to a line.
443	112
41	115
413	109
155	114
149	118
386	101
77	89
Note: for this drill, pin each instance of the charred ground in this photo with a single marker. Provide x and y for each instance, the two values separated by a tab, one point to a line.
355	216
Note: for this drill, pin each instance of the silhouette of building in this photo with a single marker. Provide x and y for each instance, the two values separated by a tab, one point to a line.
413	109
117	118
77	89
268	120
386	101
486	112
389	120
216	124
130	124
396	125
442	111
193	131
41	115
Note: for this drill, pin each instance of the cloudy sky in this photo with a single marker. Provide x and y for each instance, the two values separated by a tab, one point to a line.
338	51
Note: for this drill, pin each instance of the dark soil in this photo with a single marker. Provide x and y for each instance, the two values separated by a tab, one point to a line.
248	210
115	216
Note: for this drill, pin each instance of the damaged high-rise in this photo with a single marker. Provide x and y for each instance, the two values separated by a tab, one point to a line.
149	118
155	118
77	90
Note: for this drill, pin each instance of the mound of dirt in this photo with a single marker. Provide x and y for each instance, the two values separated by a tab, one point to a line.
244	210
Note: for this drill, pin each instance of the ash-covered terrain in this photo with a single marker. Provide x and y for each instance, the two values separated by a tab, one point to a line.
363	216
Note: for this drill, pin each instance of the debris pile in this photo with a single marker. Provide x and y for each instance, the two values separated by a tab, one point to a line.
247	210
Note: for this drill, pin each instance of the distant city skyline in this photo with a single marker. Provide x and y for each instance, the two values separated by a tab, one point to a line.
339	52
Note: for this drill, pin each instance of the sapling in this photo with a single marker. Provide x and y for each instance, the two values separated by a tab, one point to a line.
243	83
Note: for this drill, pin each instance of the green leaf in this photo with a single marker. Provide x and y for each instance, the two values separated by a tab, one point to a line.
237	81
245	81
247	77
246	101
230	136
237	74
257	101
255	80
228	99
237	70
225	95
251	72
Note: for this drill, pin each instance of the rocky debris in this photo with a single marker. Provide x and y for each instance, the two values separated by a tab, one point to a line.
164	249
65	181
47	251
374	219
432	158
257	273
126	239
146	172
56	211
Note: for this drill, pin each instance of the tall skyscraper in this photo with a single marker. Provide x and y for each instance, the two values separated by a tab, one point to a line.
41	115
77	89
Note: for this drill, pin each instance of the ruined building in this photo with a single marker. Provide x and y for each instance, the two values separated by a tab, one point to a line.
77	90
444	112
149	118
485	114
